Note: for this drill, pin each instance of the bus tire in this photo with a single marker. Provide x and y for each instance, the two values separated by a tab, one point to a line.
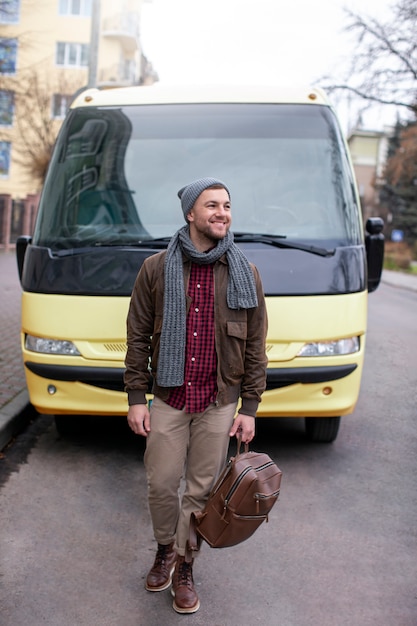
322	429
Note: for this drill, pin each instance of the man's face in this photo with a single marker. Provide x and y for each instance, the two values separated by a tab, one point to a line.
210	218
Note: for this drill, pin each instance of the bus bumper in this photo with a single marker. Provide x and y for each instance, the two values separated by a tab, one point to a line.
326	391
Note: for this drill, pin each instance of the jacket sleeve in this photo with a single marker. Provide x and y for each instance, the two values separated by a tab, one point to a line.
140	324
254	379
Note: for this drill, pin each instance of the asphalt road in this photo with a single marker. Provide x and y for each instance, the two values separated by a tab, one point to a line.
339	549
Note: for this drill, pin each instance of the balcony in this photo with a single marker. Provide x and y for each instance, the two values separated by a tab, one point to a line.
125	28
122	74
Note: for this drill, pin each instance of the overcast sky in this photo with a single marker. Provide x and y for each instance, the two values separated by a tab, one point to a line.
282	42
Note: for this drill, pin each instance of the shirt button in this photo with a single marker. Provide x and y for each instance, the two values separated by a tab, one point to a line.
189	384
193	359
196	309
195	334
198	286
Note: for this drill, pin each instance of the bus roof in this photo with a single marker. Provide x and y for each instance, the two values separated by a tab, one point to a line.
202	94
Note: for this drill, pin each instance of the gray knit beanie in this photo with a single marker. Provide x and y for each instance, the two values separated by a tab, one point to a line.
189	194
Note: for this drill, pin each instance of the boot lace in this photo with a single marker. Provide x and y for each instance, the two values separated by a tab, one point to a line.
185	575
161	555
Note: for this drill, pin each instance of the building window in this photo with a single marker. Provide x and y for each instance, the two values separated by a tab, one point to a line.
4	158
72	54
128	70
8	55
6	107
60	104
75	7
9	12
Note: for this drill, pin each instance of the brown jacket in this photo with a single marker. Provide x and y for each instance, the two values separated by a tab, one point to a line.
239	335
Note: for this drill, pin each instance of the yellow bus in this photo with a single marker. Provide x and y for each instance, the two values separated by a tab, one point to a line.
109	201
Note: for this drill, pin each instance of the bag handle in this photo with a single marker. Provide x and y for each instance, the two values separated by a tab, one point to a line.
239	445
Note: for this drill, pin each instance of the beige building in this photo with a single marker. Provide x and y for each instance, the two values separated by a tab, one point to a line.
49	49
368	151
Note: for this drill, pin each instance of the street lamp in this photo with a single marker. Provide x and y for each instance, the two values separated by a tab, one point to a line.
94	43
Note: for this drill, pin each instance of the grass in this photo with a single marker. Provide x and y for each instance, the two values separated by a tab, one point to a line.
399	258
390	264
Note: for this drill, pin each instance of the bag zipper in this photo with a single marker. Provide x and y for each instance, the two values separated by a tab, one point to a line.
241	477
264	496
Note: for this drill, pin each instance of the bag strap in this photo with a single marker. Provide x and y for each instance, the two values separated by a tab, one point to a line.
194	539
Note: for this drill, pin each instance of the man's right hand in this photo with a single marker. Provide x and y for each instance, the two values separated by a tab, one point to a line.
139	419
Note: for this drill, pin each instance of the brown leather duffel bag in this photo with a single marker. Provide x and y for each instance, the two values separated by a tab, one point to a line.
239	502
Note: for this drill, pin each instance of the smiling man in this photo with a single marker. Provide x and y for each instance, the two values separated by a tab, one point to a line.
198	313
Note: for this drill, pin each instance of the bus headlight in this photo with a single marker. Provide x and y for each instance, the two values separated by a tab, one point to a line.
50	346
330	348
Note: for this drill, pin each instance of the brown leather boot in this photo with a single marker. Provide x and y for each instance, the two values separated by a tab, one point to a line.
160	575
185	596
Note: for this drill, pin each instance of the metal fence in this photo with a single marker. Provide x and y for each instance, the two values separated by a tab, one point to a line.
17	217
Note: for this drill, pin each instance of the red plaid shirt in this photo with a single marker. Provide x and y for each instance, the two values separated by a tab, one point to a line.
200	372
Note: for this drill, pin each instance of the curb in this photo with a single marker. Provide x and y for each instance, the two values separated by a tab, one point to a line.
398	279
13	418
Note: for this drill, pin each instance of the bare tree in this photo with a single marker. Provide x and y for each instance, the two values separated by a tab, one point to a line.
383	68
37	129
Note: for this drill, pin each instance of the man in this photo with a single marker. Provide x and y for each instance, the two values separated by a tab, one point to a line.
197	313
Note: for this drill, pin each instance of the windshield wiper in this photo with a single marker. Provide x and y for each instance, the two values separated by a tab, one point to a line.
281	241
89	248
159	242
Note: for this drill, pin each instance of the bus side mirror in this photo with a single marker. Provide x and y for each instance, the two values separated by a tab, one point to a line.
21	245
374	245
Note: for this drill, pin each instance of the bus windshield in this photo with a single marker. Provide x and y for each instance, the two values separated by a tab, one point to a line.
115	173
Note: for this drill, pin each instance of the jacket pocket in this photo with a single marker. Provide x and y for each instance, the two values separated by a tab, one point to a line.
237	329
234	352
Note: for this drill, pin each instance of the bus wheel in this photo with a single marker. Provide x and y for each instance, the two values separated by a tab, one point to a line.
322	429
69	425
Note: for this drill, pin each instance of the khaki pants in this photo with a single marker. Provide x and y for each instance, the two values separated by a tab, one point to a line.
189	446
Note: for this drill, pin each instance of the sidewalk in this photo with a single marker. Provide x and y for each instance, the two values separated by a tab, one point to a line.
398	279
13	394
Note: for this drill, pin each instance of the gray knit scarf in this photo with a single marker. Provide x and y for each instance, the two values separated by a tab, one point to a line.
241	294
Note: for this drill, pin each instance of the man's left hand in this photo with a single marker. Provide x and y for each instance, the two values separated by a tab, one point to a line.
244	427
